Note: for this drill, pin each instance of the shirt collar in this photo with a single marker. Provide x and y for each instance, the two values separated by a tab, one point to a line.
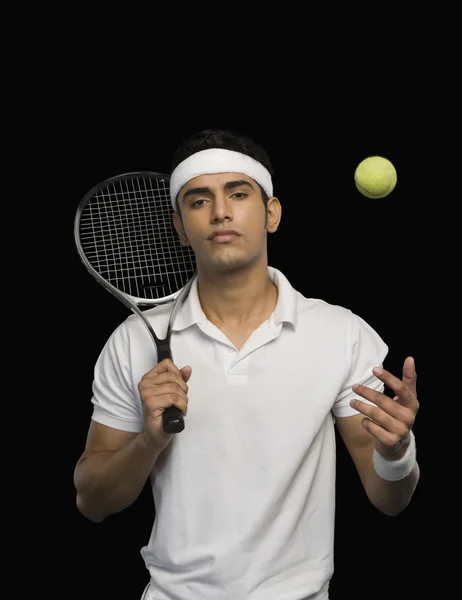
191	312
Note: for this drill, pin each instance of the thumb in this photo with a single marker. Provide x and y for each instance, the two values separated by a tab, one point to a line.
186	373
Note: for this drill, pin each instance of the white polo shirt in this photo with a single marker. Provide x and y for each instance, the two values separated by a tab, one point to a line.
245	494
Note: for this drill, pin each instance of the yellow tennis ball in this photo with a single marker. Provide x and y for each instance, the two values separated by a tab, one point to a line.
375	177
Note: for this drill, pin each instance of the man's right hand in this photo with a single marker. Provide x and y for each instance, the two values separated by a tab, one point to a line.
161	387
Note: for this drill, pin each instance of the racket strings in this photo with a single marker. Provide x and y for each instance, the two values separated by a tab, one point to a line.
127	235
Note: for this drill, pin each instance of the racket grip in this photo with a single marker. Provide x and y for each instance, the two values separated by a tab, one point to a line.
173	420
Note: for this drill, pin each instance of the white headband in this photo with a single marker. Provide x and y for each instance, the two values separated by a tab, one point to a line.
218	160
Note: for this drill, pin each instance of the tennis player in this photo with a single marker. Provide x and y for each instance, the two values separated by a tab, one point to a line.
245	495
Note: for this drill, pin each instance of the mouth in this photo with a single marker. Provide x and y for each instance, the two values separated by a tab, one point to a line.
221	236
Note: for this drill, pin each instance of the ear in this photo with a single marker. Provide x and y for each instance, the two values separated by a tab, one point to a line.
178	224
274	211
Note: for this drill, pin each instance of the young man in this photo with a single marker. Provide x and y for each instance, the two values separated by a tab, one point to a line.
244	495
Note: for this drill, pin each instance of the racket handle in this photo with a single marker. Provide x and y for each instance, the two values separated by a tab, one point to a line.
173	420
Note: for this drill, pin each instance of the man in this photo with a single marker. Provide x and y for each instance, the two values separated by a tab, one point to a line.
244	496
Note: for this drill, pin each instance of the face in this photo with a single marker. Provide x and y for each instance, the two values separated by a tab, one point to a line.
230	203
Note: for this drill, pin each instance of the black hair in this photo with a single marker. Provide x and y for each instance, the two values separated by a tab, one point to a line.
219	138
228	140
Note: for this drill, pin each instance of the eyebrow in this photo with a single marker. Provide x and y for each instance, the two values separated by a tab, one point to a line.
229	185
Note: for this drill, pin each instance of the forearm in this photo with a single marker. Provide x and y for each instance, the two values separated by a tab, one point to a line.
109	482
391	497
391	482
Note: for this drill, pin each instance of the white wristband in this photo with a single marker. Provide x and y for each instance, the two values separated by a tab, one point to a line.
394	470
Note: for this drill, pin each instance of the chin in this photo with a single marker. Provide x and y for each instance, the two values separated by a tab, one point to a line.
227	264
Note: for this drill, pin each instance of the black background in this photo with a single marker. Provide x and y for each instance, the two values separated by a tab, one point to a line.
383	259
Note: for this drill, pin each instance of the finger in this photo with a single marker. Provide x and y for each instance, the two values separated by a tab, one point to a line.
379	433
403	393
147	390
390	406
161	379
152	404
186	373
410	375
382	418
164	366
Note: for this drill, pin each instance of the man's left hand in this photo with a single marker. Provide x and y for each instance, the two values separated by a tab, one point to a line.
391	420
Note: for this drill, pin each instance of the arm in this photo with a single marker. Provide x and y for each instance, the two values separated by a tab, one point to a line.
390	497
112	471
383	428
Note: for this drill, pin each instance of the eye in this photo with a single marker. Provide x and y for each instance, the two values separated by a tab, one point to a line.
239	195
196	203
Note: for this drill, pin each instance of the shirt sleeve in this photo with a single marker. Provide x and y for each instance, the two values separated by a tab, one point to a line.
367	350
115	399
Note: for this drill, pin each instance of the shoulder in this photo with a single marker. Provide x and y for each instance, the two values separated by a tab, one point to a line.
319	306
338	319
296	307
157	317
130	349
132	331
321	312
319	315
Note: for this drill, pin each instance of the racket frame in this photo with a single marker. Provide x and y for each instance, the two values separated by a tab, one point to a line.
173	418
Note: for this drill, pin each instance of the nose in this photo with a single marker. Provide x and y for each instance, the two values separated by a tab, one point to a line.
221	209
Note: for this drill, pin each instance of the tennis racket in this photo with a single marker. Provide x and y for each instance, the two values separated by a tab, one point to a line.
125	238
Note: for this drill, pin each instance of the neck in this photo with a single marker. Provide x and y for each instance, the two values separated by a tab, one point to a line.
239	297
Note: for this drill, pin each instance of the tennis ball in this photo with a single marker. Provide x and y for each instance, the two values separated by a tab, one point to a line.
375	177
